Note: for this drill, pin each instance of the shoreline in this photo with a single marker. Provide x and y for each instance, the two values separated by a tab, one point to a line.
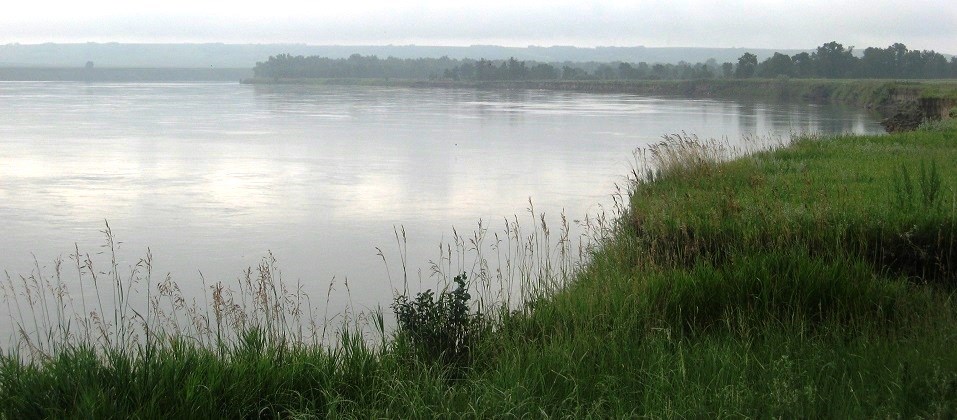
865	92
814	280
902	104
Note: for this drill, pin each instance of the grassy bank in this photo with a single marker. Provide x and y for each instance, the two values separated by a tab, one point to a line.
817	280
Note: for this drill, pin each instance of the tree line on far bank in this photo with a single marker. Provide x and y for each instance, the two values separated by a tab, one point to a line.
831	60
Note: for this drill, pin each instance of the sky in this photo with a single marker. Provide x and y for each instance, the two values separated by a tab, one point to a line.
792	24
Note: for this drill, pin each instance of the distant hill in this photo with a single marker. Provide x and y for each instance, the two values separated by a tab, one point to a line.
246	55
123	74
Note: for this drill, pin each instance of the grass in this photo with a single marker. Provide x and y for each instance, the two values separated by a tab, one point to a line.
812	280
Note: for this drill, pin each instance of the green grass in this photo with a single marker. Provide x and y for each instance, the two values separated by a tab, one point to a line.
815	280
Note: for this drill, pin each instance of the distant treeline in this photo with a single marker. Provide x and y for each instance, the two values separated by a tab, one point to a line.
286	66
831	60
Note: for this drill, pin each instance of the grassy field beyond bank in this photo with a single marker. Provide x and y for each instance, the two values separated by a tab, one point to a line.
817	280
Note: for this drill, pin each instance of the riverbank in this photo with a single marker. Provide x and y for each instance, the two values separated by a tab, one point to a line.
938	96
817	280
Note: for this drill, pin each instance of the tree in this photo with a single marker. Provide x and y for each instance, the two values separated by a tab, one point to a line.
702	71
911	64
727	70
626	71
878	62
802	65
467	70
514	69
659	71
776	65
746	66
712	66
573	73
542	71
899	52
831	60
935	65
484	70
643	70
606	72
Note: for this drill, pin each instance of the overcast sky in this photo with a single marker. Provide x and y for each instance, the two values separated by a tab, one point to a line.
920	24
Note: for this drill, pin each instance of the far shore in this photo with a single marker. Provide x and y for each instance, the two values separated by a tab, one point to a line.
936	97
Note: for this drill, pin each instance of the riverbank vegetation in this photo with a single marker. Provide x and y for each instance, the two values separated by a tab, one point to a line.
829	61
878	79
813	280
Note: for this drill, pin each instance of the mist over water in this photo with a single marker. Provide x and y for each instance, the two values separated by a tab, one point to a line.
211	177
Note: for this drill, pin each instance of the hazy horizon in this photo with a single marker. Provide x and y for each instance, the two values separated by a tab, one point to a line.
857	48
219	55
920	24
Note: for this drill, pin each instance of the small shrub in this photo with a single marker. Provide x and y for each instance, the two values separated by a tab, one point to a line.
440	328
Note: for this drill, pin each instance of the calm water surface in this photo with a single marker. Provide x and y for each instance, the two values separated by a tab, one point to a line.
211	177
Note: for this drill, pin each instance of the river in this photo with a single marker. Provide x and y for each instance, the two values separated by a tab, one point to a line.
211	177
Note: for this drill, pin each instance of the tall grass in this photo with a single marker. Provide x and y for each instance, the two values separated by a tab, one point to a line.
812	280
257	346
112	307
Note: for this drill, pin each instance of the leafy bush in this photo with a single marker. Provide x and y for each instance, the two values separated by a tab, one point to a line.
440	328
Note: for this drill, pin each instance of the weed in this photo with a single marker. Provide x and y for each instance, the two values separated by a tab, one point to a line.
441	328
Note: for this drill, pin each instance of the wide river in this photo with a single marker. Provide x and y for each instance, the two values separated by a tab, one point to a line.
212	177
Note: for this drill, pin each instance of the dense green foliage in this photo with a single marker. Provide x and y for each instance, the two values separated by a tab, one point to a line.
831	60
816	280
440	328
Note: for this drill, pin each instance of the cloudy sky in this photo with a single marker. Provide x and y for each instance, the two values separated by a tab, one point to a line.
920	24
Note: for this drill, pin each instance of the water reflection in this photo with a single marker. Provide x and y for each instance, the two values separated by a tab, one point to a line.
748	117
211	176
